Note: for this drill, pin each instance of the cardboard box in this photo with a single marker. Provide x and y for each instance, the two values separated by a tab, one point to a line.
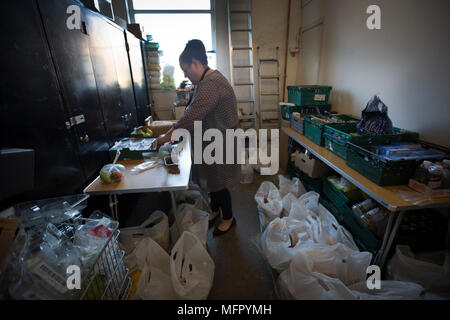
310	165
427	191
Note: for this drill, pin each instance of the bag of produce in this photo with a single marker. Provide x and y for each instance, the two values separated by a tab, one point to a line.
112	173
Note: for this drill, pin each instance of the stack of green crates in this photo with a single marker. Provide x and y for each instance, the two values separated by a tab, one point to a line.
288	108
344	214
314	127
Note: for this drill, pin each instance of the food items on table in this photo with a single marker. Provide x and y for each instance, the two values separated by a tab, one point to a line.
112	173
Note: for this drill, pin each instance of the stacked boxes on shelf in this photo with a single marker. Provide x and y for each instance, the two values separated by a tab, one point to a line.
152	66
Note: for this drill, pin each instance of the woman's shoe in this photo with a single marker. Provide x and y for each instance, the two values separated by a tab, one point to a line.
218	232
213	221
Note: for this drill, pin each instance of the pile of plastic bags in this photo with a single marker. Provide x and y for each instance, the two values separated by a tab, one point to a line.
315	257
171	262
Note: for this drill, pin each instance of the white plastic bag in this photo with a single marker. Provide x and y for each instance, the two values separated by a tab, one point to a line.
189	218
194	196
287	202
191	268
405	267
263	220
294	186
155	227
269	200
282	239
302	282
390	290
307	204
154	263
338	261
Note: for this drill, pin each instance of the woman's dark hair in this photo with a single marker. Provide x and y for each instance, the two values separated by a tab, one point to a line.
194	49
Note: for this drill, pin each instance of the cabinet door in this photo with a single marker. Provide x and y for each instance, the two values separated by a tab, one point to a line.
123	69
138	75
32	114
116	112
71	55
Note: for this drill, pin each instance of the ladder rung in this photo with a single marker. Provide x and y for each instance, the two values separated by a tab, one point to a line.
270	94
240	11
251	116
266	78
242	66
244	84
243	48
245	101
268	60
270	110
241	30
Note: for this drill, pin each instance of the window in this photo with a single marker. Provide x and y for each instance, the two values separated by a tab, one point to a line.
172	24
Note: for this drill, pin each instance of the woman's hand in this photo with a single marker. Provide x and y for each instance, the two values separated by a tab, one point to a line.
162	139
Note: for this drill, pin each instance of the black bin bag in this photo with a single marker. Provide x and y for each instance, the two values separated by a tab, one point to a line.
374	119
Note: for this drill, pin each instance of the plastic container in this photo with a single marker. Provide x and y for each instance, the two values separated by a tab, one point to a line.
309	95
341	209
298	123
380	170
287	109
314	127
112	173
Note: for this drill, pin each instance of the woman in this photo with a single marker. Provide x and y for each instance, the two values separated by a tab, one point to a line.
213	103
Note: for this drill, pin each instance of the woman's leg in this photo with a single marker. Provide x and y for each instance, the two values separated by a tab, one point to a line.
215	206
224	202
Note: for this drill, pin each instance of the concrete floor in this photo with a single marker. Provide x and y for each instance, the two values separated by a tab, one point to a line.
241	272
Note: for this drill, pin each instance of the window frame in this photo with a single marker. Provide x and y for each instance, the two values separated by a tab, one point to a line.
132	12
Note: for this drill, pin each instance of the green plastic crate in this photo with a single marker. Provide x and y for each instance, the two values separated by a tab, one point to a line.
287	110
309	95
341	209
314	128
336	137
380	170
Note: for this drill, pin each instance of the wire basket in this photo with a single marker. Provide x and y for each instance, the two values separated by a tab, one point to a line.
35	273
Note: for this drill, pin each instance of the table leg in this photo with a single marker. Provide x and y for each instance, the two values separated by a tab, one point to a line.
391	238
174	203
387	232
113	204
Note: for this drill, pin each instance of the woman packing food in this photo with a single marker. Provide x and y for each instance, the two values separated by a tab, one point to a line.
213	103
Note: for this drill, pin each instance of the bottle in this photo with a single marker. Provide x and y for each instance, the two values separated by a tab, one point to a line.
435	176
366	205
421	173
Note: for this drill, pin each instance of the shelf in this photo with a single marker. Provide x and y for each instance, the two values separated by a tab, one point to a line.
383	195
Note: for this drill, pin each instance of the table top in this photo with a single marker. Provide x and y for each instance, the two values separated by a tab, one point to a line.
151	180
386	196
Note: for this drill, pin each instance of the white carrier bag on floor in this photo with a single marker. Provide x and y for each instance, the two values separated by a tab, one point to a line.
189	218
194	197
320	271
269	200
287	202
155	227
389	290
294	186
154	282
282	239
191	268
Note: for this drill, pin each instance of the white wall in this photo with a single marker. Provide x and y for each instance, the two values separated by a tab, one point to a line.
407	61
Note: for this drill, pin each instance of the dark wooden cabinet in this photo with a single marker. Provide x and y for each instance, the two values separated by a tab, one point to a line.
67	94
